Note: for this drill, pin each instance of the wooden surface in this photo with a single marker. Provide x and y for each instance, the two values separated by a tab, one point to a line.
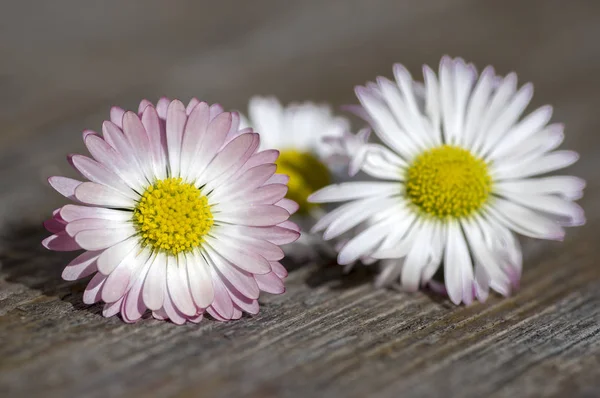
63	63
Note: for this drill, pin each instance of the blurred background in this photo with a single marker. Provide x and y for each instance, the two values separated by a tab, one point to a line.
64	63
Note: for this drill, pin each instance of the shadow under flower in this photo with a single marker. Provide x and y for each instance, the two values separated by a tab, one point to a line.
333	275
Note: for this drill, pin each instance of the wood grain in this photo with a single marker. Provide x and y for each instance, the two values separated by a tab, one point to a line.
64	63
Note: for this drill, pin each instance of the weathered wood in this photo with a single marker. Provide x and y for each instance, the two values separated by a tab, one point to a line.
64	63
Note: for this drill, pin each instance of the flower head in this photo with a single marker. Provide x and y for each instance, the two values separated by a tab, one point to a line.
300	131
181	215
460	172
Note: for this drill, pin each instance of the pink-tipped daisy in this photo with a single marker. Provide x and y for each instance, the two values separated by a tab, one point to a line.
460	173
181	215
299	131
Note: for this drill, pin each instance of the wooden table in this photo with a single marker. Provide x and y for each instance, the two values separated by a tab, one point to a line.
64	63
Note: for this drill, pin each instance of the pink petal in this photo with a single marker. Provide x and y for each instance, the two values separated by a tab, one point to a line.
199	277
289	205
157	140
160	315
279	269
278	179
197	318
143	105
177	286
268	194
136	135
113	161
222	303
232	170
162	107
246	182
191	105
256	216
213	140
176	119
174	315
82	266
237	313
270	283
268	156
112	257
112	309
289	225
64	186
60	242
243	303
101	195
274	234
103	238
74	227
54	226
155	283
133	306
227	157
96	172
93	290
71	213
116	116
247	260
215	110
115	138
239	279
195	133
212	312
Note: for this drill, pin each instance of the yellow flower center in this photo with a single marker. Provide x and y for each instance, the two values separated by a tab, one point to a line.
172	216
307	174
448	181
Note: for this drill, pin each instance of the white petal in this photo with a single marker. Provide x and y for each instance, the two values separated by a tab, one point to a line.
359	212
571	214
101	195
176	119
568	187
354	190
549	162
99	239
363	243
508	117
525	221
458	269
74	212
177	285
111	257
386	126
246	260
527	127
153	292
417	257
498	102
201	285
477	104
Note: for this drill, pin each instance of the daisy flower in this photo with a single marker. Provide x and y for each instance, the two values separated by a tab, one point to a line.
459	172
298	131
180	215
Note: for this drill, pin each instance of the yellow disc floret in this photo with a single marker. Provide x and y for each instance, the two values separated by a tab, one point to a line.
448	181
172	216
307	174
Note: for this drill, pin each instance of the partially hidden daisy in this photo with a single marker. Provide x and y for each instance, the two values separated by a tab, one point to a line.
460	171
309	138
180	215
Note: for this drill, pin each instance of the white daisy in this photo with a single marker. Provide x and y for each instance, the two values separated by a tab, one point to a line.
461	172
181	215
298	131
